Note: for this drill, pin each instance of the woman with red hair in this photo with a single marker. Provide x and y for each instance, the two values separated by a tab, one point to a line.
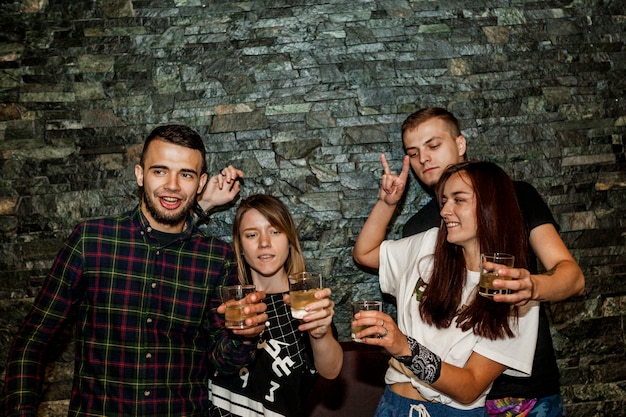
449	343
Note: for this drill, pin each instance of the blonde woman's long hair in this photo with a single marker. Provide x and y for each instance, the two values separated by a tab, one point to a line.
277	213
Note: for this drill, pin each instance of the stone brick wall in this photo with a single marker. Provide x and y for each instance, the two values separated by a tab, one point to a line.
304	96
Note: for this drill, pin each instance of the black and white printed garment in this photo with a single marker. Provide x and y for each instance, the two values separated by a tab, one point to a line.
277	382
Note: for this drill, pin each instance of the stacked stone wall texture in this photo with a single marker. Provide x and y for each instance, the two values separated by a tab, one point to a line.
304	95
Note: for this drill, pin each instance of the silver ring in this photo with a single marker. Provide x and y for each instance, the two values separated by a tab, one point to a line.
382	323
380	336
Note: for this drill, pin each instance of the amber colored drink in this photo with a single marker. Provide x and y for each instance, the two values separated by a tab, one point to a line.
485	286
358	329
299	301
361	305
234	296
235	317
302	289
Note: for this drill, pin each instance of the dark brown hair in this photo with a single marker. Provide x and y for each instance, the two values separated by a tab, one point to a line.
500	228
178	135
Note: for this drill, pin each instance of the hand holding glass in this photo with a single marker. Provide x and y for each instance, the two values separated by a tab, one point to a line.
362	305
302	289
234	298
485	285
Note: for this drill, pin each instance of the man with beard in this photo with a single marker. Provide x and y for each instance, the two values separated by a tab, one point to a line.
141	289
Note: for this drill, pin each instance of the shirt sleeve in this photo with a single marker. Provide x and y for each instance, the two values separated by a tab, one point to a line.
400	259
228	353
516	353
51	308
534	209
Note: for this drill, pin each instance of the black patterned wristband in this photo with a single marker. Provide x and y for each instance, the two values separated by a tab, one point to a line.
424	364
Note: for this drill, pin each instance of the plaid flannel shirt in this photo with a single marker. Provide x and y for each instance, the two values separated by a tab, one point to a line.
146	328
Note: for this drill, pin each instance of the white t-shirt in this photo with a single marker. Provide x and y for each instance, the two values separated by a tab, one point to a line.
402	263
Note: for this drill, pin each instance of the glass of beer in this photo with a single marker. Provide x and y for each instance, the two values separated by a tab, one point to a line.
362	305
234	298
485	285
302	289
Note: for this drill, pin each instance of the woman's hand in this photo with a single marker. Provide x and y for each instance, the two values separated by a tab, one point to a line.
221	188
327	352
255	324
518	280
393	185
319	315
382	331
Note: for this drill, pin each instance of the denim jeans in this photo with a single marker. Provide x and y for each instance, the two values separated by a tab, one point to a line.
394	405
551	406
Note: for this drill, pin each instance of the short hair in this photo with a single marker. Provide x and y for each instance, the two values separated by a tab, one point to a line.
178	135
425	114
277	214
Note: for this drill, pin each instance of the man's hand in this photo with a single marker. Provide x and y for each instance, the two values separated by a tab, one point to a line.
393	185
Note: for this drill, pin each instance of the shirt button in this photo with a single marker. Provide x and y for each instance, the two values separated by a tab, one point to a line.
148	320
153	285
148	355
146	393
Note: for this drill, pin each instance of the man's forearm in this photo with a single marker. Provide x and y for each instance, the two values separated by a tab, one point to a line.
372	234
564	280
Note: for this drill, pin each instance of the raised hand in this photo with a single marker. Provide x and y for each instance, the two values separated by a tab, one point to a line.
393	185
221	188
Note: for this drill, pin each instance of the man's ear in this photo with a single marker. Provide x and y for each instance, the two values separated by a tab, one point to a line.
203	179
461	145
139	175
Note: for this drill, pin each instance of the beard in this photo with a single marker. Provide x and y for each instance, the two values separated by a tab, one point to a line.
163	216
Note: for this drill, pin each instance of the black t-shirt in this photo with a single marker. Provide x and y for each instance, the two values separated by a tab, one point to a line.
544	380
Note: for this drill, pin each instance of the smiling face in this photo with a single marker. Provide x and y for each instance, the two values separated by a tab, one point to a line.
432	148
265	249
171	180
458	210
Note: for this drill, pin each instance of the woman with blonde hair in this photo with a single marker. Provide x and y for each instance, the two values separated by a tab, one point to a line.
292	352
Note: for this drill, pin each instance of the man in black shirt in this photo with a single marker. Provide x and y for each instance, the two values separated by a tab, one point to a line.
433	141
